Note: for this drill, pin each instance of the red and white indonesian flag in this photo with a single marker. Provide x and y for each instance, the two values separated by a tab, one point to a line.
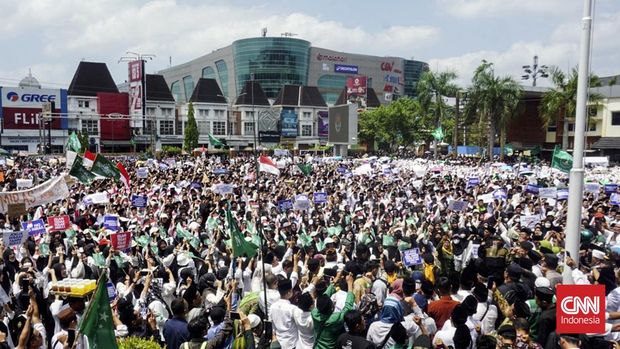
124	175
89	159
266	165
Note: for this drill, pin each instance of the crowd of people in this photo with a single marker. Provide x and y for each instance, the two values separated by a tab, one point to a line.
399	252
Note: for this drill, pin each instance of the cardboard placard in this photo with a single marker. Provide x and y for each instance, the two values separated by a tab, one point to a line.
320	197
142	172
35	227
121	241
110	222
139	201
411	257
16	210
14	238
59	223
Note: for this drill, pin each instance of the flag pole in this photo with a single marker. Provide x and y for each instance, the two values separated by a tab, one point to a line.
575	196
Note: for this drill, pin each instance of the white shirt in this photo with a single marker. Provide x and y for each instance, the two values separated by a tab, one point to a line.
272	297
305	327
379	288
284	325
446	336
379	330
488	323
339	298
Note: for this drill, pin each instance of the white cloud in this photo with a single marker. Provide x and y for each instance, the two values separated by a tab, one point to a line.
561	50
107	28
490	8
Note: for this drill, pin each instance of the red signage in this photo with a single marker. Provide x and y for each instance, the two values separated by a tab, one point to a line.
60	223
26	119
135	71
387	66
356	86
121	241
114	110
580	309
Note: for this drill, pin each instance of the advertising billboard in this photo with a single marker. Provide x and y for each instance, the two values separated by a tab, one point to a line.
346	69
356	86
136	79
343	124
323	117
21	107
288	120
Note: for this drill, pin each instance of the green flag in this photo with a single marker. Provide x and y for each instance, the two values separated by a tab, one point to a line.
99	259
438	133
306	169
562	160
240	246
80	172
44	249
184	234
105	168
305	239
215	142
388	240
73	143
320	246
97	323
334	230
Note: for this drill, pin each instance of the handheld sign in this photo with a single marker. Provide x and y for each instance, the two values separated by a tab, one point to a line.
121	241
139	201
59	223
35	227
320	198
412	257
142	172
284	205
14	238
110	222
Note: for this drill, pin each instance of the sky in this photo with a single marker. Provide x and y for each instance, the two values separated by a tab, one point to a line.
50	37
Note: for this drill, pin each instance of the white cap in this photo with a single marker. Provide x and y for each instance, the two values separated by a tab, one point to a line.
542	282
254	320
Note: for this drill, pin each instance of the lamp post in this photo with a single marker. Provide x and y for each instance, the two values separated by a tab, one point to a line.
534	71
575	184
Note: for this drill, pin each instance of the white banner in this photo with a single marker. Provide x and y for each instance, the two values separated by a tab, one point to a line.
14	238
23	183
549	193
486	198
96	198
50	191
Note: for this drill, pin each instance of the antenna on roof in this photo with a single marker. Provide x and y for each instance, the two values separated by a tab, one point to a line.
264	32
288	34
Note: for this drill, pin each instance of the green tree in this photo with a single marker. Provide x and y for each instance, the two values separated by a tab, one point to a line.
431	90
561	100
396	124
494	100
191	131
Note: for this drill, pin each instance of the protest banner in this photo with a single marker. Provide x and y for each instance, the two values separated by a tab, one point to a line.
59	223
139	201
223	188
592	188
110	222
45	193
23	183
302	202
121	241
14	238
320	198
548	193
16	210
486	198
96	199
142	172
220	171
457	205
530	221
35	227
562	194
473	181
411	257
615	199
284	205
611	188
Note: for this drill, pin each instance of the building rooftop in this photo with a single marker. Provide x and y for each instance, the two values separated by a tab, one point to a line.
90	78
29	81
295	95
252	94
372	101
157	89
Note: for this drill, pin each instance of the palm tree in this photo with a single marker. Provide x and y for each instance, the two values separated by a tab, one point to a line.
493	99
431	89
562	99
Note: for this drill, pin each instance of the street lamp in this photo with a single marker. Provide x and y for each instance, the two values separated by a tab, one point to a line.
534	71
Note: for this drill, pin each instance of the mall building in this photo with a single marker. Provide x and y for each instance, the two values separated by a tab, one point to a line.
278	61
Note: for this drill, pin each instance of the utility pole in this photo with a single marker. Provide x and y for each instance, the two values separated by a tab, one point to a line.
575	184
455	134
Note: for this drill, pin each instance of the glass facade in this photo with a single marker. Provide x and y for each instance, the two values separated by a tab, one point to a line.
413	71
188	87
208	73
331	86
273	61
222	72
175	89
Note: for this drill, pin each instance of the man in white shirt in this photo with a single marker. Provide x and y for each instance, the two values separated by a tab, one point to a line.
282	316
486	312
272	294
303	320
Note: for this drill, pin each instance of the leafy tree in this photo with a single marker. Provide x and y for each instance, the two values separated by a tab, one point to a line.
431	90
399	123
191	131
562	99
493	99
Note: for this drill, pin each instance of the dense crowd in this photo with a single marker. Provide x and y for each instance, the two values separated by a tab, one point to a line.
398	253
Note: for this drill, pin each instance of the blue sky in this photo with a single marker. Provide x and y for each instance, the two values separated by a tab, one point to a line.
52	36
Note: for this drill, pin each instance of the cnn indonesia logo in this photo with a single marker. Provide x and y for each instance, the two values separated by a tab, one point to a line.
580	308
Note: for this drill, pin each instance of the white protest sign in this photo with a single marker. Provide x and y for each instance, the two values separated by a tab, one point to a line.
96	198
457	205
23	183
486	198
14	238
142	172
592	188
530	221
548	193
222	188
